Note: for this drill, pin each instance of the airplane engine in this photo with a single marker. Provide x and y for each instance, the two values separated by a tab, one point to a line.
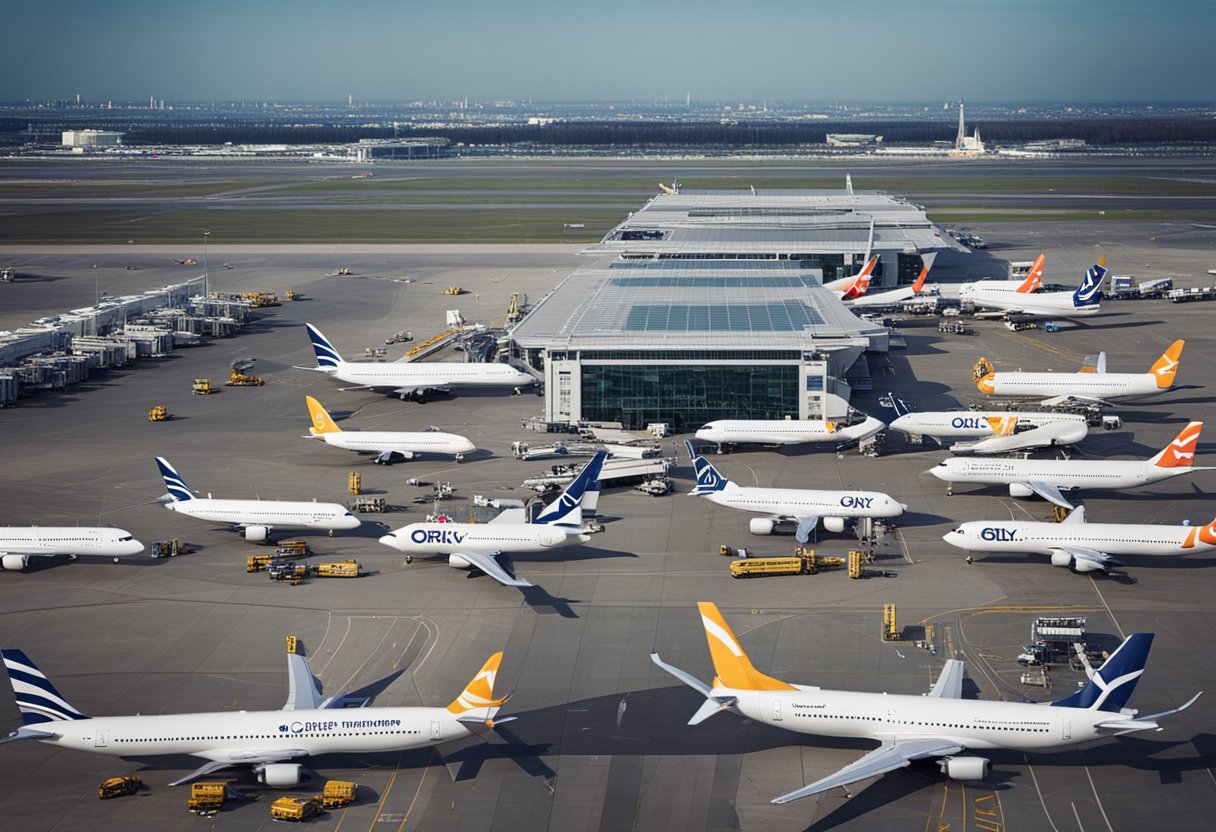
389	457
1084	566
1016	489
965	768
256	534
281	775
551	537
1061	559
834	524
762	525
458	562
14	563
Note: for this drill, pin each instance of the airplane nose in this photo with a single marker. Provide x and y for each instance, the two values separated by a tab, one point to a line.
468	447
953	538
389	539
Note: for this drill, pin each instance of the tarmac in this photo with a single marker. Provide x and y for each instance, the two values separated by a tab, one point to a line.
600	740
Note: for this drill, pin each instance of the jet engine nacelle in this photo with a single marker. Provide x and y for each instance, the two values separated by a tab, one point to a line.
458	562
281	775
965	768
834	524
389	457
1016	489
1081	565
14	563
1061	559
256	534
762	525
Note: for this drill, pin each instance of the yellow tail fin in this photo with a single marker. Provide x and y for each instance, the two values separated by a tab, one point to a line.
1167	365
479	692
982	374
730	663
321	423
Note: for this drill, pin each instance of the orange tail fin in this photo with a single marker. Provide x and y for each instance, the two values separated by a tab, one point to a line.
1180	453
731	664
479	692
1034	279
1167	365
321	423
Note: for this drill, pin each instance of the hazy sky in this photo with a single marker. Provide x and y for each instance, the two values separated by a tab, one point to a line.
806	50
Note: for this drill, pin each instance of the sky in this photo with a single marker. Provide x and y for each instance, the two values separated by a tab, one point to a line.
1030	51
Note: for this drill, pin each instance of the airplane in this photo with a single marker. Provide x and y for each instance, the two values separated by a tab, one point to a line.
255	517
940	725
785	431
805	506
1050	477
1032	282
388	446
1090	385
272	742
477	544
18	544
893	297
853	286
410	379
1086	300
1081	546
994	431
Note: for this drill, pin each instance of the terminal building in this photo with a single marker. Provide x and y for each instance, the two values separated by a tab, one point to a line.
706	306
91	138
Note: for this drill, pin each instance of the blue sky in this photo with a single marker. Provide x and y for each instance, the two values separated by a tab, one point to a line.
848	50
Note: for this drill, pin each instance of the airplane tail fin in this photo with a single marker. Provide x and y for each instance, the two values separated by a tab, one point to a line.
321	422
1180	453
1034	278
478	694
174	484
926	264
327	356
1112	685
1089	293
982	373
708	478
36	697
1003	425
567	509
1166	366
861	281
733	668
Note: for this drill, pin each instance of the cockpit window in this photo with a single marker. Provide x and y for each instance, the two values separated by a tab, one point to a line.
125	539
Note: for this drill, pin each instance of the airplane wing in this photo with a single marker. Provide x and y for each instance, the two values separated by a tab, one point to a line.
1086	559
303	692
224	758
1049	492
1064	433
888	757
1073	397
486	563
949	684
806	525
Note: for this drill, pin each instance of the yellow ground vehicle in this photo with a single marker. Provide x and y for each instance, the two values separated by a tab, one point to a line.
295	808
289	548
344	271
338	569
804	562
453	290
202	387
118	786
208	797
338	793
238	379
158	414
292	295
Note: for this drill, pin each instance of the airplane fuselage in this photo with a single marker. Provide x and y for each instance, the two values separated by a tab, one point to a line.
270	513
1063	473
428	374
402	442
1108	538
1085	385
793	502
445	538
975	424
67	540
1041	304
783	431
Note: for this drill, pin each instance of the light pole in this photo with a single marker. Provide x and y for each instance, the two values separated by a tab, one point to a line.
96	287
206	234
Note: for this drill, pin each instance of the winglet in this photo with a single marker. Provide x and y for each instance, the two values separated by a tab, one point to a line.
479	692
321	422
731	664
1180	453
1034	278
1167	365
327	356
178	490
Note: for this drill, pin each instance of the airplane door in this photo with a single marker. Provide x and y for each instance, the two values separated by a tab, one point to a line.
101	738
435	729
1066	729
776	710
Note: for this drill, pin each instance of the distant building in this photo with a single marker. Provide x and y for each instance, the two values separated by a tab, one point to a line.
965	145
91	138
853	140
368	150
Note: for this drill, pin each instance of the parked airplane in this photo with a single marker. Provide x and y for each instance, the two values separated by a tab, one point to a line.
853	286
389	446
272	742
1085	300
411	379
478	544
255	517
1081	546
18	544
941	725
1091	386
804	506
1032	282
785	431
893	297
1050	477
994	431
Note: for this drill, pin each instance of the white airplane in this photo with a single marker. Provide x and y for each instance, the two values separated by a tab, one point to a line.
411	379
853	286
804	506
389	446
478	544
941	725
1090	385
893	297
994	431
1081	546
272	742
785	431
1050	477
20	543
255	517
1084	301
1032	282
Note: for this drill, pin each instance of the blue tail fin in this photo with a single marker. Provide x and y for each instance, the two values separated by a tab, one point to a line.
178	490
567	510
327	356
36	697
1112	685
708	478
1089	293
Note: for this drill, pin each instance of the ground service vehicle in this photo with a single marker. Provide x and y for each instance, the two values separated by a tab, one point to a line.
118	786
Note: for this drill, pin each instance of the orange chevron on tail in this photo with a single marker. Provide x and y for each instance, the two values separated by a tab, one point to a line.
479	692
1166	366
1180	453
